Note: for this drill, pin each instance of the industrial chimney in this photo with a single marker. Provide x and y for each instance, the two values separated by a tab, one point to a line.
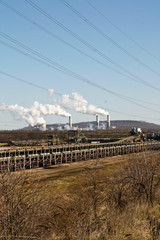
108	121
43	127
70	121
97	120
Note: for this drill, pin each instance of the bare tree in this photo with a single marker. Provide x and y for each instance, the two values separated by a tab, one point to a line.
143	176
20	205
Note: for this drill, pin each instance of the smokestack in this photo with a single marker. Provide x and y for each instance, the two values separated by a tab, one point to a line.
97	120
70	121
108	121
43	127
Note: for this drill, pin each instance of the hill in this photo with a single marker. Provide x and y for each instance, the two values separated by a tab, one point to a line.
118	124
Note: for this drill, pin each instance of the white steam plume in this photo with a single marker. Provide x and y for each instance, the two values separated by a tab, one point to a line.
79	104
33	115
48	109
19	112
50	91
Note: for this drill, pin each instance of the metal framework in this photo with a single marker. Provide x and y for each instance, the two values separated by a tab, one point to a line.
13	159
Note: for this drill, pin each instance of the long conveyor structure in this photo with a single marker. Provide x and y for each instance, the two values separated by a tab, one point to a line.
14	158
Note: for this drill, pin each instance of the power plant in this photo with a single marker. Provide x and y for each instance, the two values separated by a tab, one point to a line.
34	115
108	124
68	126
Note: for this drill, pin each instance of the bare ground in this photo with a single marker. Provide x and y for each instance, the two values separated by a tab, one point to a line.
65	169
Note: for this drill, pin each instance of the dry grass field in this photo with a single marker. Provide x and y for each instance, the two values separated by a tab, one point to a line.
115	198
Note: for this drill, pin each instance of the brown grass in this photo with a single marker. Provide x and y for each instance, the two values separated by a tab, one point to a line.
88	200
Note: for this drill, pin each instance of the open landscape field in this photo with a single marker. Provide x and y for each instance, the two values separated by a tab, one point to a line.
91	197
104	198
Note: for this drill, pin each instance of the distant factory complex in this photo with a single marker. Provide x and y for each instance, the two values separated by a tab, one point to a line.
68	126
34	114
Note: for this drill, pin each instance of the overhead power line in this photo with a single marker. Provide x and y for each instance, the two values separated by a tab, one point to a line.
65	42
26	82
131	76
122	32
132	115
67	71
33	84
43	88
55	92
95	50
98	30
60	94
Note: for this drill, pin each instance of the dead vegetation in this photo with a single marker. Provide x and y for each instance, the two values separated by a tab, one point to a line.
26	135
121	204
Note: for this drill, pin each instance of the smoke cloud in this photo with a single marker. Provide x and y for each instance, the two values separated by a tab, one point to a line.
48	109
34	114
79	104
51	91
21	113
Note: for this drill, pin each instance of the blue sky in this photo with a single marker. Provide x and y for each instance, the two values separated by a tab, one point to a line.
140	20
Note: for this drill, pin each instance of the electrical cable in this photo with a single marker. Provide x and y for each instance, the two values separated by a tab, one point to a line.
131	115
122	32
66	43
137	79
132	77
60	94
65	70
26	82
98	30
